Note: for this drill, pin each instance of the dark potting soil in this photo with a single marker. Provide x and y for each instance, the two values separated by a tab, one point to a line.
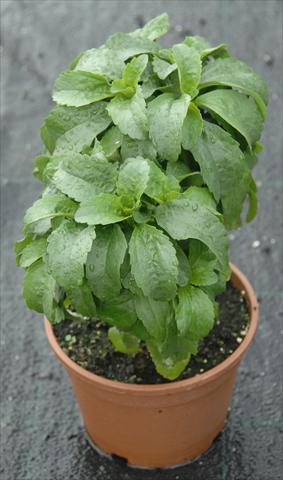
88	345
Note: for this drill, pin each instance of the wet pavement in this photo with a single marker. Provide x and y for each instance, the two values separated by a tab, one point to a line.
42	436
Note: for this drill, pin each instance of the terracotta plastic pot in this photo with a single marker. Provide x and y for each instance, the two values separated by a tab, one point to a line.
158	425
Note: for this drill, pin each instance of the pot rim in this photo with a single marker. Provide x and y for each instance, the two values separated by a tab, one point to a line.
170	387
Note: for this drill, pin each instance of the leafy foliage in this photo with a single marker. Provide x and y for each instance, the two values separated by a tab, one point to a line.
153	262
146	166
104	262
129	114
224	170
81	176
166	115
189	67
236	110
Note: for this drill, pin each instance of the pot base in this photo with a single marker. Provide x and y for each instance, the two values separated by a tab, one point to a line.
124	461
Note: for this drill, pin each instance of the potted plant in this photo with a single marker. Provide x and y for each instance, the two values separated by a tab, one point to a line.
146	167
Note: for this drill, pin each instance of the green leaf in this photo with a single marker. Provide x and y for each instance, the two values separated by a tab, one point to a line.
200	195
97	151
82	300
129	283
218	51
166	116
76	89
102	61
134	69
138	330
189	67
203	264
184	268
32	252
37	284
195	179
224	170
192	127
162	68
166	54
120	87
131	76
197	42
79	137
129	114
124	342
20	245
151	85
155	28
180	170
137	148
133	177
236	74
153	262
44	209
40	164
184	219
120	311
82	176
104	262
167	363
161	187
101	209
76	126
194	312
155	315
51	306
50	170
235	109
126	45
111	141
219	286
67	251
251	157
253	202
127	277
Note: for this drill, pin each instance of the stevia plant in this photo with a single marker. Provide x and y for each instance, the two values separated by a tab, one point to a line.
147	165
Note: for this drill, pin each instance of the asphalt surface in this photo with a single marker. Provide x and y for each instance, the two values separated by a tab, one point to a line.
42	437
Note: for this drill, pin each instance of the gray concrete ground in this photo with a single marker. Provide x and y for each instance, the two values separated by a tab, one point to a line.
41	434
